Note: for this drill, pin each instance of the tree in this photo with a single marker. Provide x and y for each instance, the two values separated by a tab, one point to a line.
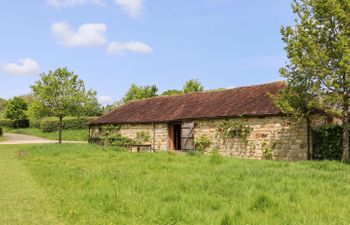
299	101
140	92
193	86
61	93
2	106
172	92
318	48
16	110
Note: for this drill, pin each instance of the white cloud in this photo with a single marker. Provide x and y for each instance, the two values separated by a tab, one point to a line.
132	7
87	35
118	48
105	100
68	3
23	67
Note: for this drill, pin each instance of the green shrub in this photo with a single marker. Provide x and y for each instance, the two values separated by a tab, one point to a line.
111	137
6	123
118	140
202	143
35	123
51	124
328	143
1	132
14	123
20	123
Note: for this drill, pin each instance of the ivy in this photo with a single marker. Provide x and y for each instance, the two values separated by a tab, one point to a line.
229	129
143	137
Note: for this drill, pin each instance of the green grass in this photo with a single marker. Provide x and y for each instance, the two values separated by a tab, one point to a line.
67	135
2	138
22	199
85	184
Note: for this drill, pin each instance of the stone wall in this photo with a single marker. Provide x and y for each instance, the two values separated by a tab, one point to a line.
159	131
285	137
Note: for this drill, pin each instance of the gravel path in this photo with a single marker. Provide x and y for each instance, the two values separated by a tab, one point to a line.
17	139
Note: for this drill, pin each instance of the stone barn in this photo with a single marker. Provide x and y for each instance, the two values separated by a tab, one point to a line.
239	122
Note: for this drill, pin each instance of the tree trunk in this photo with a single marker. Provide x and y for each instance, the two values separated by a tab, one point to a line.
346	131
60	131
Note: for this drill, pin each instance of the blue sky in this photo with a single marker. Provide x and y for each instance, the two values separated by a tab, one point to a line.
114	43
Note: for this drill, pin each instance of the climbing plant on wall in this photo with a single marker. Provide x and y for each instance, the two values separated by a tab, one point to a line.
229	129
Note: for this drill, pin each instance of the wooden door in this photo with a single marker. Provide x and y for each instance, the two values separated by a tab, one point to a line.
187	136
171	137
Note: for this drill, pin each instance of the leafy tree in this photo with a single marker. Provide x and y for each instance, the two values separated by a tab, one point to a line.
61	93
172	92
299	101
318	48
193	86
36	110
140	92
2	105
16	110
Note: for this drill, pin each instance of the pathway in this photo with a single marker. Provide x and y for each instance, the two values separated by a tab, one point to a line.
17	139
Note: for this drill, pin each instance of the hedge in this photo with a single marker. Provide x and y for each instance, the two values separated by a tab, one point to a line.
35	123
14	124
328	143
6	123
51	124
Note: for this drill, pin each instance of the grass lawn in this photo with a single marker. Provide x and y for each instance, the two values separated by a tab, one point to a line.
2	138
85	184
67	135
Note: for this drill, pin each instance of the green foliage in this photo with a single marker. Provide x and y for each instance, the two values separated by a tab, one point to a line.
327	143
140	92
172	92
143	137
296	100
318	49
61	93
267	151
16	114
229	129
111	137
35	123
193	85
37	111
202	143
16	110
117	140
2	106
51	124
6	123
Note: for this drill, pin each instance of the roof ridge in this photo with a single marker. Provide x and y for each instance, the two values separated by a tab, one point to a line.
205	92
190	94
250	100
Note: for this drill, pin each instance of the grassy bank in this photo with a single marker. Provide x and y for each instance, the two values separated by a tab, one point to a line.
67	135
91	185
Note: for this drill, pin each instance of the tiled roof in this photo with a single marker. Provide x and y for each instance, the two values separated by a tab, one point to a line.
251	101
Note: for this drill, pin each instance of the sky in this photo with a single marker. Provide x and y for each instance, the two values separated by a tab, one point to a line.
112	44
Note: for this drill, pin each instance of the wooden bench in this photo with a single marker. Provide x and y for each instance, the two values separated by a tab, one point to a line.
141	147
